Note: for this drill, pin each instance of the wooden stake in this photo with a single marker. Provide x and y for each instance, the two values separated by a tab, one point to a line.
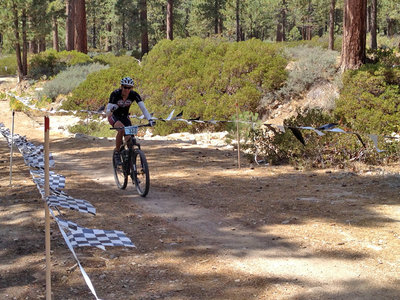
46	208
12	145
237	133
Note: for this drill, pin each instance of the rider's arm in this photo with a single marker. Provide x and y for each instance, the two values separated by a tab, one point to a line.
110	108
144	110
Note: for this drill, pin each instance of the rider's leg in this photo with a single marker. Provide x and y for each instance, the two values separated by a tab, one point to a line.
120	134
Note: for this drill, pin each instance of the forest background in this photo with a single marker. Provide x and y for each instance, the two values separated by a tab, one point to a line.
205	57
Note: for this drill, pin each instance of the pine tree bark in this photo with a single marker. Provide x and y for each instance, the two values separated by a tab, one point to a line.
108	45
374	28
24	44
16	43
170	20
331	42
283	20
354	34
42	44
56	45
70	27
238	30
80	33
94	29
143	25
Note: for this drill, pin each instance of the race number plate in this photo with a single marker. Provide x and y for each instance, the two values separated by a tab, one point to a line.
131	130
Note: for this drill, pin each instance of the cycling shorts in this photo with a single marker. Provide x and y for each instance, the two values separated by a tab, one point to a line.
124	120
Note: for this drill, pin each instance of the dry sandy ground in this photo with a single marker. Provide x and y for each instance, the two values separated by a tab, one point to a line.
207	230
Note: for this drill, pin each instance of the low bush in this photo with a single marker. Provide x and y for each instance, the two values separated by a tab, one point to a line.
66	81
95	91
17	105
8	65
51	62
207	77
245	124
330	150
309	66
370	99
112	60
95	128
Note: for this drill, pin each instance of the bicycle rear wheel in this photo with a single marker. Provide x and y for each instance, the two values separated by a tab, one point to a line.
140	173
120	176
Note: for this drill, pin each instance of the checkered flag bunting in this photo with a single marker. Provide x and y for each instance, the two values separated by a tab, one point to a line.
56	181
73	234
80	236
37	161
71	203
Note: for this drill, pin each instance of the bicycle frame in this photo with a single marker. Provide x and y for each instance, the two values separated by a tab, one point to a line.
133	162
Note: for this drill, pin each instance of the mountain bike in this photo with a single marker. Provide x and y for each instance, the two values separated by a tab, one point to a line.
133	162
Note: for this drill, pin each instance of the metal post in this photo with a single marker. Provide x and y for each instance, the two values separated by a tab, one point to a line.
12	145
47	214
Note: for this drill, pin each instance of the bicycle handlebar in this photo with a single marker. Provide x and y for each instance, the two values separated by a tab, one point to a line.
142	125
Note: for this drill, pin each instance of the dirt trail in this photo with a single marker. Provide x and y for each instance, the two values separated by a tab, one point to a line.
208	230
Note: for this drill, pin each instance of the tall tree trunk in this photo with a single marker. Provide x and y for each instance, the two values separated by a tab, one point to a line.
55	34
281	23
374	13
283	20
16	43
354	34
143	25
123	33
170	20
216	16
238	35
80	34
70	27
33	46
187	16
94	30
108	44
279	36
24	44
309	21
220	24
42	44
390	27
332	25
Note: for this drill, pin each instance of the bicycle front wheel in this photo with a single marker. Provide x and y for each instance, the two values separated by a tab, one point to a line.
140	173
120	176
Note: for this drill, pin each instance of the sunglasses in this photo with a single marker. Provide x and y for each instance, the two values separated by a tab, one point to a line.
126	87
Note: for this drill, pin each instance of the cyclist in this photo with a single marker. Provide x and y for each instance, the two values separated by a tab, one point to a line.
117	110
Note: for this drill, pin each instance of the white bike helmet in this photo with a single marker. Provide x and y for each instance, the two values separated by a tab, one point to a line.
127	81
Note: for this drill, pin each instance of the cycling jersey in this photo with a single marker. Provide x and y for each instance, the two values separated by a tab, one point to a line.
122	111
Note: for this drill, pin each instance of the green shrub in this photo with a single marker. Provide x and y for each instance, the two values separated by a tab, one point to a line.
329	150
71	58
112	60
294	34
51	62
8	65
94	127
370	98
385	42
17	105
68	80
206	77
384	55
248	121
96	89
310	65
